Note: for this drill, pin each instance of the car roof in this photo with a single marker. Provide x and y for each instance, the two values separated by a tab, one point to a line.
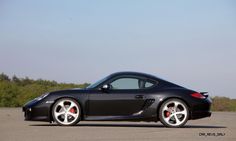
135	74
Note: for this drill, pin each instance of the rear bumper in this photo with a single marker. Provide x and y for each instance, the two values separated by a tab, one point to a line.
200	114
201	109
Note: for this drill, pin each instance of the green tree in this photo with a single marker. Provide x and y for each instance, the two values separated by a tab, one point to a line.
223	104
17	91
4	77
16	79
8	94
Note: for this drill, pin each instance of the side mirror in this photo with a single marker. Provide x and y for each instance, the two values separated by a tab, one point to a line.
106	87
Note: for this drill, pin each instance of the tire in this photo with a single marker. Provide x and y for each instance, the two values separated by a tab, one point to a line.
174	113
66	112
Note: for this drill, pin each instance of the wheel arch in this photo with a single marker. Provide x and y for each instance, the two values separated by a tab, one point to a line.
70	97
172	97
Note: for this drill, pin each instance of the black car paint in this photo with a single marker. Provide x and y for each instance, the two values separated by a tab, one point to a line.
138	105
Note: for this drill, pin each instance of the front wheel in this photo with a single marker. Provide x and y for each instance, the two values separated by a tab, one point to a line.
174	113
66	112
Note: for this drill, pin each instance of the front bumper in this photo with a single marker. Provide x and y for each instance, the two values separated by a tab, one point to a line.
31	114
36	111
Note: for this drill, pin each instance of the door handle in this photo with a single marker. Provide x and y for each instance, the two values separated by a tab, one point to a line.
139	96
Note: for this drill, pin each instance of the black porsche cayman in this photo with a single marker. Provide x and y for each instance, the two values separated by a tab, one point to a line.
127	96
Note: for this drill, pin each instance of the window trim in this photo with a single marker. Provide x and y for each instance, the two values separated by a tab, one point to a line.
155	83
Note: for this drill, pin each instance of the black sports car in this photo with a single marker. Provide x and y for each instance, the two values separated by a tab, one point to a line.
127	96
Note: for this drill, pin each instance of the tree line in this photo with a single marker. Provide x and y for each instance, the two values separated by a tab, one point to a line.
15	92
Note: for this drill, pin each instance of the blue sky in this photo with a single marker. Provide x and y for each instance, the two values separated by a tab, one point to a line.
192	43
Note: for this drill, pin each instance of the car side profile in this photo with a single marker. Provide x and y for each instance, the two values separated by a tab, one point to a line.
122	96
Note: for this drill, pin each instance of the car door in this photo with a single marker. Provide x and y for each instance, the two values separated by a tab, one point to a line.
125	97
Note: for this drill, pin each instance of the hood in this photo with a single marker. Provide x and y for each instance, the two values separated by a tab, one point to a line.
73	90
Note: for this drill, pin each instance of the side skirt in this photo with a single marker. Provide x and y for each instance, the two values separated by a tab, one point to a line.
118	118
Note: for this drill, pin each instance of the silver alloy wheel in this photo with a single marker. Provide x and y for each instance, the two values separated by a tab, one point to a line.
66	112
174	113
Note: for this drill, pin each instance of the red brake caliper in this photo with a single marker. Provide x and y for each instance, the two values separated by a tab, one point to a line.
167	114
72	110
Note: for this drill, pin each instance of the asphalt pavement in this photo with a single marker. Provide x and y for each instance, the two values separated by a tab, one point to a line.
220	126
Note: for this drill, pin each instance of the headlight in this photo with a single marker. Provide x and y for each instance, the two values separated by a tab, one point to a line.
41	97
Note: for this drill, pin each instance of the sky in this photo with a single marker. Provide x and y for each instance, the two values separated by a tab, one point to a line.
191	43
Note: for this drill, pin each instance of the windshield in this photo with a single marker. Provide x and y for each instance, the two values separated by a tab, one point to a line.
94	85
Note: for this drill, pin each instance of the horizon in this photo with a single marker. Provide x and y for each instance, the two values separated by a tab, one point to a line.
190	43
35	79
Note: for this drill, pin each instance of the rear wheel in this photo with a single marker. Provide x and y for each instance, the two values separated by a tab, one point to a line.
174	113
66	112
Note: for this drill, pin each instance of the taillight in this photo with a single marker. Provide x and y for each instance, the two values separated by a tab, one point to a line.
198	95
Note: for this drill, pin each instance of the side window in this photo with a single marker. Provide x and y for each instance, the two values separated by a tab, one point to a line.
125	83
131	83
148	84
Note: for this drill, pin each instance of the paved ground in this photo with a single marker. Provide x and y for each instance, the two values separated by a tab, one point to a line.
221	126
